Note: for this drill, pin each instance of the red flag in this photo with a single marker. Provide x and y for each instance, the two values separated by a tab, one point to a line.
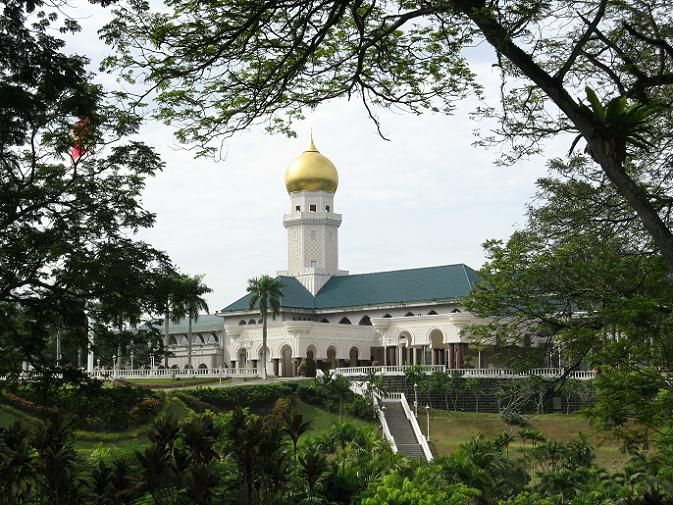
80	132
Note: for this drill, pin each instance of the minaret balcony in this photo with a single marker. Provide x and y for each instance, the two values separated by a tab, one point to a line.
297	218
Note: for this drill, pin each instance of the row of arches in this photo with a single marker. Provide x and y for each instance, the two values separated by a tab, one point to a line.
243	322
202	366
197	339
290	365
364	321
406	350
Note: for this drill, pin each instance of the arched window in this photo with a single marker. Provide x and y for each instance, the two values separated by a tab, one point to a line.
259	321
455	311
184	340
212	339
353	356
175	367
242	358
323	320
409	314
252	321
331	357
387	315
172	340
432	313
241	322
203	366
365	321
199	340
188	367
345	320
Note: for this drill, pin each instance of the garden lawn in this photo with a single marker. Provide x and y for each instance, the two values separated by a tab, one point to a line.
322	420
450	429
165	382
123	444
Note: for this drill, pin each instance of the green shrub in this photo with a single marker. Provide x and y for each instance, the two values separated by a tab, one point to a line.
255	396
361	407
193	403
513	418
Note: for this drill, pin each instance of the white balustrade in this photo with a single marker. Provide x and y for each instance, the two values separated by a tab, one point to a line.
483	373
176	373
417	429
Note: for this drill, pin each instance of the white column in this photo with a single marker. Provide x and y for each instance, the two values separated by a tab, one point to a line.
90	342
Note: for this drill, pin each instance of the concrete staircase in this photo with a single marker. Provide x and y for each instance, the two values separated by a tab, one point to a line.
402	431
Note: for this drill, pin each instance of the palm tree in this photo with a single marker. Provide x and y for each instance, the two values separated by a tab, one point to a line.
295	427
265	293
193	289
170	304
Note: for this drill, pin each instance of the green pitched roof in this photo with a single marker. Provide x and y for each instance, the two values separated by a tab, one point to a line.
295	296
447	282
204	322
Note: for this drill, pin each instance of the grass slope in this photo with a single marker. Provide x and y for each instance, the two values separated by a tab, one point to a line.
450	429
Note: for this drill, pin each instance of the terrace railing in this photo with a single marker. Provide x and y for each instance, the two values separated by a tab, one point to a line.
484	373
111	374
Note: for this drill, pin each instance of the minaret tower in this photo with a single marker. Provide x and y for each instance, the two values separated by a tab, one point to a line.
312	225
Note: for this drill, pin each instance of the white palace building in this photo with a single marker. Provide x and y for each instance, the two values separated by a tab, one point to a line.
329	318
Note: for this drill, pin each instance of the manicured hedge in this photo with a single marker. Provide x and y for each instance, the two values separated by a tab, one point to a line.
254	396
92	405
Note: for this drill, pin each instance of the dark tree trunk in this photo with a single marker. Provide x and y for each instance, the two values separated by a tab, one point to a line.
603	149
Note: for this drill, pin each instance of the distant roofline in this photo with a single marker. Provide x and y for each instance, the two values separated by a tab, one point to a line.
403	270
391	303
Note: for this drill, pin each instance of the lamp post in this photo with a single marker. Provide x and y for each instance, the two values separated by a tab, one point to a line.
416	399
427	415
58	349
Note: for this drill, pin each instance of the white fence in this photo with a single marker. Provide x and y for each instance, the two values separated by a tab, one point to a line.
484	373
386	370
170	373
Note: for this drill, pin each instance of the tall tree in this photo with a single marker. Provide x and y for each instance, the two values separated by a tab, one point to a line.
169	304
218	68
583	278
265	294
193	303
71	182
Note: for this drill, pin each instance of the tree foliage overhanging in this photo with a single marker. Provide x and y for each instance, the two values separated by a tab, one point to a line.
71	178
583	280
215	68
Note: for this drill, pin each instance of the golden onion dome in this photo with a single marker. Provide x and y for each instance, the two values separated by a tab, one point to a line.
311	171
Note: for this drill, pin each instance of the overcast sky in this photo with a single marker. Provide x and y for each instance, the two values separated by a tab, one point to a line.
427	197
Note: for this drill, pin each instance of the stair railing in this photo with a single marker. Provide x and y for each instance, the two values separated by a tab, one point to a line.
379	407
422	441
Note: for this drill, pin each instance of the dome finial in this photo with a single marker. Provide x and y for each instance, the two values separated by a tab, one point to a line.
311	146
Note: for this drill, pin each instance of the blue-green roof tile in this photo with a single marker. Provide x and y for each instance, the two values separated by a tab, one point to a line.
448	282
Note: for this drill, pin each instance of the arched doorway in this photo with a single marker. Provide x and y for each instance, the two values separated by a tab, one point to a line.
353	356
287	369
331	357
439	354
310	361
242	358
260	362
404	348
